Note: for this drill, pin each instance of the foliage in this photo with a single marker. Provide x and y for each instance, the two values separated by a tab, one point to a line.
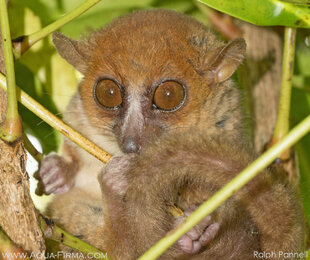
266	12
51	81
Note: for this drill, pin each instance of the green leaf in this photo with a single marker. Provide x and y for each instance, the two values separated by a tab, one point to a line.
177	5
301	109
48	137
265	12
93	21
298	2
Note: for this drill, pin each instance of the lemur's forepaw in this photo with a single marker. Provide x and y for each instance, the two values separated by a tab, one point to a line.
113	177
199	236
53	175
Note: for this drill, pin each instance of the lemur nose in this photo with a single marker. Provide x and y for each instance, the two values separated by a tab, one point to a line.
130	146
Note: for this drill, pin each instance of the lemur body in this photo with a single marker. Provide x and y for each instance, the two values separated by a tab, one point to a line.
145	75
263	217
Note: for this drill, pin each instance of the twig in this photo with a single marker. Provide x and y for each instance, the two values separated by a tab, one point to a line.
55	233
283	122
235	184
58	124
11	128
23	43
31	149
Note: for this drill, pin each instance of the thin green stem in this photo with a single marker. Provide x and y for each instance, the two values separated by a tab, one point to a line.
57	234
283	123
58	124
11	128
31	149
22	44
235	184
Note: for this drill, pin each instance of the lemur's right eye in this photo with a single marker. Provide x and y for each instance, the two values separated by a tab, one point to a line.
169	96
108	94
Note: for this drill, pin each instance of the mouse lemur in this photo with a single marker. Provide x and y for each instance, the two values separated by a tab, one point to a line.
157	94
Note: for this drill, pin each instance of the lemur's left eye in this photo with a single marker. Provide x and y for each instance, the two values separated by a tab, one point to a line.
169	96
108	94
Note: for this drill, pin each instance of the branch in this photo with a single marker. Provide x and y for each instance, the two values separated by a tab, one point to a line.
282	125
58	124
55	233
31	149
235	184
11	128
24	43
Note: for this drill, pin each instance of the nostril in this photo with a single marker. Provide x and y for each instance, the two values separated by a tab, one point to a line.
130	146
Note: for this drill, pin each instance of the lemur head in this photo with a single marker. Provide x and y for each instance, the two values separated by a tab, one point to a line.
153	71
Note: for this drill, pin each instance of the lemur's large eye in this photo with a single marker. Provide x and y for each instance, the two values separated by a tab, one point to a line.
108	94
169	96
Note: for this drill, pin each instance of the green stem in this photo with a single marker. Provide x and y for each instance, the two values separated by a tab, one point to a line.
282	125
58	124
55	233
31	149
23	43
11	128
235	184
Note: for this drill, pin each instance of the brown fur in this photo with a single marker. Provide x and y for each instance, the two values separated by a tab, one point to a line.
142	49
264	216
139	51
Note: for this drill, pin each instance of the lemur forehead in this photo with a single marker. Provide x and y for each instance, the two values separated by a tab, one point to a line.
144	47
145	28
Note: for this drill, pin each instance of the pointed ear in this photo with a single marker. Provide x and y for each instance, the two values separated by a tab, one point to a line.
74	52
227	60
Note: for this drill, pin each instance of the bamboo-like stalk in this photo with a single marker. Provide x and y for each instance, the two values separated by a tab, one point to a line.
11	128
283	122
235	184
58	124
23	43
57	234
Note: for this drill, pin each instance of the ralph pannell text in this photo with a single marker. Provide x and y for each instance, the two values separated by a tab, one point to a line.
280	255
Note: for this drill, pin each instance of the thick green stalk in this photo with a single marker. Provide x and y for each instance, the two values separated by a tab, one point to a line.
235	184
23	43
283	122
55	233
58	124
11	128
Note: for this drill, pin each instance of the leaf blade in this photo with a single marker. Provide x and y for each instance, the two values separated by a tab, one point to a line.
265	12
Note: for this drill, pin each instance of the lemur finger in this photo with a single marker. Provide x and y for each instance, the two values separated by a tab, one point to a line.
209	234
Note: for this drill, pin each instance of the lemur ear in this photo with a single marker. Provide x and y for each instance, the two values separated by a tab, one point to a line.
74	52
227	60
